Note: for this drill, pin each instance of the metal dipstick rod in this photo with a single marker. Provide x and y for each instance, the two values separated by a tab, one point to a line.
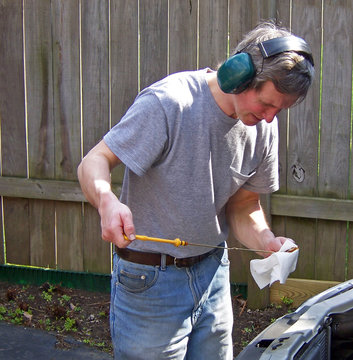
177	242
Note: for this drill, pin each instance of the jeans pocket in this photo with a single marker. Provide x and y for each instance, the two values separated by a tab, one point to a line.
136	278
222	257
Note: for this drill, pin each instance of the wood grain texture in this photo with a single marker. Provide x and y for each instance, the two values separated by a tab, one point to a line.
95	118
124	56
12	92
39	86
333	178
183	35
67	118
213	25
283	11
299	290
13	128
153	23
124	62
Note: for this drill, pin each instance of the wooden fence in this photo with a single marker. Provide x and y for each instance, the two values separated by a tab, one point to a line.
70	69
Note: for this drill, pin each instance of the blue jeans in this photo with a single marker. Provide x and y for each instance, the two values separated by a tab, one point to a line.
172	313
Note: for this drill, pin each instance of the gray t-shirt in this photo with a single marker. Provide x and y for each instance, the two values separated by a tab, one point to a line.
184	158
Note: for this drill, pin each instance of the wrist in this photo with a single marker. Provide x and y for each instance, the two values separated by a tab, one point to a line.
103	192
266	237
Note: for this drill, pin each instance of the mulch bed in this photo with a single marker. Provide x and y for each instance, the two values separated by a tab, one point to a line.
84	315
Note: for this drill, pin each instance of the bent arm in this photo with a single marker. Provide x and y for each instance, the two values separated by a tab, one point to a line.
94	177
248	223
94	173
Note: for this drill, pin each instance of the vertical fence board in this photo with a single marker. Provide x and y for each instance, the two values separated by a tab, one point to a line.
124	62
283	11
96	252
42	233
69	237
66	88
17	237
41	130
124	56
154	40
335	134
14	159
67	115
183	35
95	107
244	15
2	241
349	274
241	20
303	130
95	72
13	129
282	18
213	24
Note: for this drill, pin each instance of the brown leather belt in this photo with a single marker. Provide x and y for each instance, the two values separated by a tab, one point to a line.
155	259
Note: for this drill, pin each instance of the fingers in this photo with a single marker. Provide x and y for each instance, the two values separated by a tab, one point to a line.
128	227
116	221
283	239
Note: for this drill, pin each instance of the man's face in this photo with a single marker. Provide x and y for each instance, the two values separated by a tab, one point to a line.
253	106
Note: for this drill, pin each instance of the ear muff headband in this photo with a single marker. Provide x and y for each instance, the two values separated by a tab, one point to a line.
279	45
237	72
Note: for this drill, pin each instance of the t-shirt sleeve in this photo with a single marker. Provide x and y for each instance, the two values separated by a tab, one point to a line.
140	138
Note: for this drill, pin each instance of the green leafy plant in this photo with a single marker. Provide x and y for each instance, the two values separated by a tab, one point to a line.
248	330
64	299
46	296
16	316
70	324
286	300
3	311
102	314
244	343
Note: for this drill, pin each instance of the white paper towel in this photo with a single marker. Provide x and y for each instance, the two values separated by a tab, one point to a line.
275	267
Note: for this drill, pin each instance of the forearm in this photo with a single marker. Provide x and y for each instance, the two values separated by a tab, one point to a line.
94	174
248	224
94	178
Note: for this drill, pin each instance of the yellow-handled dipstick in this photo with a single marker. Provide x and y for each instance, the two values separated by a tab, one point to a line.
177	242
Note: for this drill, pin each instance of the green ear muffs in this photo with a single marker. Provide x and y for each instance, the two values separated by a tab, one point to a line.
236	73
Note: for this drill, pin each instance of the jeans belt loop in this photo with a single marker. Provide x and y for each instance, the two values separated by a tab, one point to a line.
163	261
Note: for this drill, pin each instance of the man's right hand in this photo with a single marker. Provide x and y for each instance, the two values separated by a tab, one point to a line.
94	176
116	220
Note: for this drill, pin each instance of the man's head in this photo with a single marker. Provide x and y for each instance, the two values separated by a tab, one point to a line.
290	71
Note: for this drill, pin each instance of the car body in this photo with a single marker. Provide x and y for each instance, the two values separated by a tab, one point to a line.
321	329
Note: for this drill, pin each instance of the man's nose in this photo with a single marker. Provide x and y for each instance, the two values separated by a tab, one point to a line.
269	115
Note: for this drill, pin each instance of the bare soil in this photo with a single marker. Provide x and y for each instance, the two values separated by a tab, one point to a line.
84	315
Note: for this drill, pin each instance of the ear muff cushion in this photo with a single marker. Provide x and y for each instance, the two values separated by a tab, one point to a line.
236	73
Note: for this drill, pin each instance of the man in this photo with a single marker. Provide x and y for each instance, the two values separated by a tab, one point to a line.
198	151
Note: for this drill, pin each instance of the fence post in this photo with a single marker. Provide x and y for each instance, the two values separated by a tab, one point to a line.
257	299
